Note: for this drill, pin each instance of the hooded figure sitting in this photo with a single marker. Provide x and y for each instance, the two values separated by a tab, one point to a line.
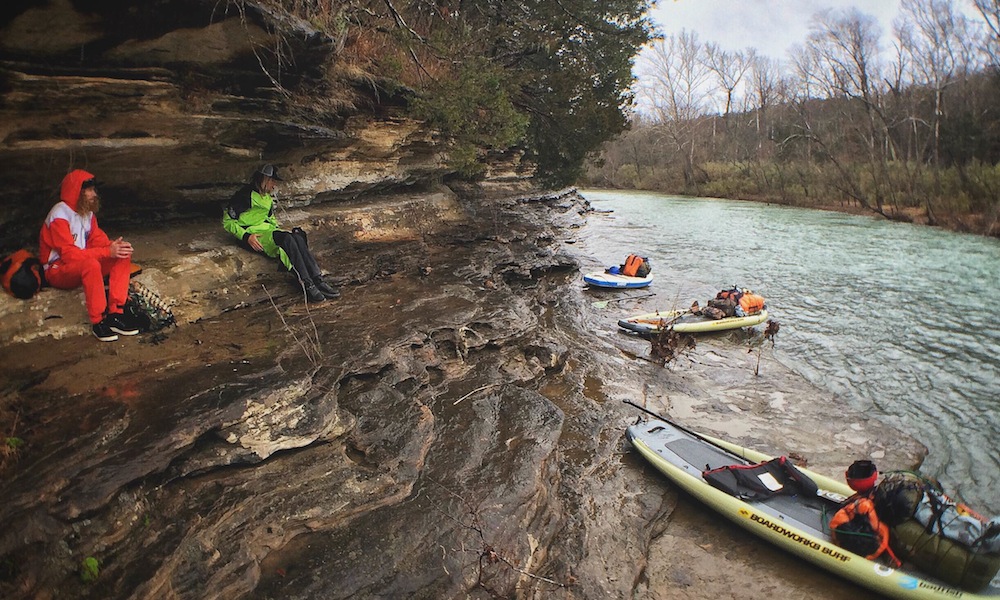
75	252
250	218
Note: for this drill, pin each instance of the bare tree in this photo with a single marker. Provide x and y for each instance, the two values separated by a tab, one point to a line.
845	47
676	88
728	69
990	10
933	35
765	82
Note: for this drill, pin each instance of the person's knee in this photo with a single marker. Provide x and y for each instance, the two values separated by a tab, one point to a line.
90	267
119	267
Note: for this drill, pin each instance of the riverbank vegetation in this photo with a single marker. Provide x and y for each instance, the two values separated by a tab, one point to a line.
547	80
908	129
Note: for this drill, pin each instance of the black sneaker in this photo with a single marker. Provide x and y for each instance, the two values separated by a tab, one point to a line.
326	289
103	332
313	294
119	324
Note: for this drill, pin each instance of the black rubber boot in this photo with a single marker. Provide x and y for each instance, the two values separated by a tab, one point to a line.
326	289
312	293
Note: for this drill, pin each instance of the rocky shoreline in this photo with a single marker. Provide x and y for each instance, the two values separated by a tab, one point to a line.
451	427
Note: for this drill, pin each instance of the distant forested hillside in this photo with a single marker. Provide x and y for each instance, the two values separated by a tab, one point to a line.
908	128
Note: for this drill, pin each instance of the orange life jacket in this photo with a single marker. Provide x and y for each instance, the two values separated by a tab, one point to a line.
751	303
856	527
21	274
632	264
733	294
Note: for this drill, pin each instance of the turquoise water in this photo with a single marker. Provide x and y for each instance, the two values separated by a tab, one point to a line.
897	320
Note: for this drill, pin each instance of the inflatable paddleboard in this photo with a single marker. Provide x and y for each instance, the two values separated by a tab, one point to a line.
611	280
683	321
795	518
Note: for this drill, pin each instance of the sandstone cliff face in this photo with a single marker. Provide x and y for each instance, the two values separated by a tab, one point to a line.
451	427
173	103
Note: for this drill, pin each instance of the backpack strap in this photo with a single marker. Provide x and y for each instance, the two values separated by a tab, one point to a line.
239	202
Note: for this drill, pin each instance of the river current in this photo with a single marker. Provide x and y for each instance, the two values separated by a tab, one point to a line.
897	320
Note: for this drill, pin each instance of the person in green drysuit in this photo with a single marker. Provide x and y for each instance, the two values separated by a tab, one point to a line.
250	218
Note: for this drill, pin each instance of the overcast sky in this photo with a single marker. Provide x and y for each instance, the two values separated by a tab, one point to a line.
770	26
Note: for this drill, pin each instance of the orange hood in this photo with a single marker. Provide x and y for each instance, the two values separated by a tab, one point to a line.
72	183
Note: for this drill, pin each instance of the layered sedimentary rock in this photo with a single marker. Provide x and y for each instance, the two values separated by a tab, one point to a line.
451	427
172	104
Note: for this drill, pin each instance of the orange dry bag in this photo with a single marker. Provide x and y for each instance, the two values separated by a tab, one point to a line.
751	303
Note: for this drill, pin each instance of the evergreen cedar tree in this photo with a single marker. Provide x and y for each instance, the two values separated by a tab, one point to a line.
553	78
577	90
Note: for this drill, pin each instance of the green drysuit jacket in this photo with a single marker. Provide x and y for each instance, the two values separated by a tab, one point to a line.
251	212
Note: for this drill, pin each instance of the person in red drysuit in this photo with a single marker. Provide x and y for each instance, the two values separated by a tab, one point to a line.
76	251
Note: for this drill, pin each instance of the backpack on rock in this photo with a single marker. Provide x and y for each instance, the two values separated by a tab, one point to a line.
22	275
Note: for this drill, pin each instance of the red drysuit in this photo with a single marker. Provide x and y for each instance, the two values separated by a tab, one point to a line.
75	252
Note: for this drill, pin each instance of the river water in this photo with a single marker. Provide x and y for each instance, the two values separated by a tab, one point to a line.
897	320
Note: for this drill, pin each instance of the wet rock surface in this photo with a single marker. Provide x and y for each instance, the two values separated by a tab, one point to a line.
451	427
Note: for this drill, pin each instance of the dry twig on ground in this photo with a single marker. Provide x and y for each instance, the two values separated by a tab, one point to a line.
757	342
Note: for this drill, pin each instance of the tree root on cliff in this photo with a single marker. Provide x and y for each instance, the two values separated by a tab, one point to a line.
488	553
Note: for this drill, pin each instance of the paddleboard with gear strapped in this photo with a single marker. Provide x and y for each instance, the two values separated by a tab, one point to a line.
683	321
602	279
792	516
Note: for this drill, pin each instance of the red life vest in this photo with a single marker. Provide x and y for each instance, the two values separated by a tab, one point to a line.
733	294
